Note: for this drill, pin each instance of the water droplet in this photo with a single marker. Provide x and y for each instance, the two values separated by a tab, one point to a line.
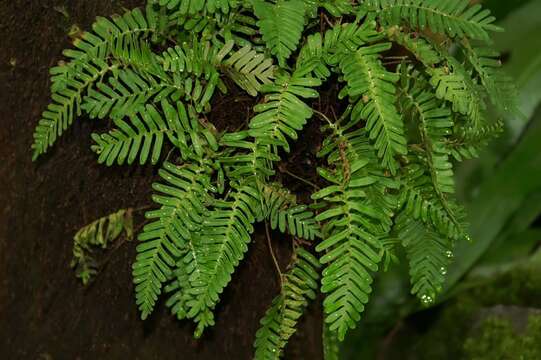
427	300
449	254
443	271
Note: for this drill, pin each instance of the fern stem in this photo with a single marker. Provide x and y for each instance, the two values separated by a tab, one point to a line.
324	117
269	244
307	182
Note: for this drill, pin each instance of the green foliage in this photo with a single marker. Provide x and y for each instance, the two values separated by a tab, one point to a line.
87	65
283	212
454	18
181	198
281	25
224	238
283	114
298	287
387	159
368	79
146	131
358	216
99	233
249	69
429	255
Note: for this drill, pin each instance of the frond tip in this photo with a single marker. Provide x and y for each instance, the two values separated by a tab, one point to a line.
181	197
281	25
100	233
455	18
429	255
299	286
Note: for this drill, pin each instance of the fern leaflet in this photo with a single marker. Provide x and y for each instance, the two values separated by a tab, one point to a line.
278	325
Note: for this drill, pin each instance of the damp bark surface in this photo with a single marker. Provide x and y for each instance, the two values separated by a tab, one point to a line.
45	312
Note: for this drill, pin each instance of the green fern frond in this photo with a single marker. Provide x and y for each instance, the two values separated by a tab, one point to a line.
145	133
466	144
194	76
420	47
241	27
331	344
282	113
358	216
236	25
281	25
323	51
181	214
368	80
194	68
299	286
199	58
87	65
251	159
100	233
155	76
454	18
192	7
283	213
429	255
224	237
178	288
124	93
487	65
423	203
435	123
249	69
453	83
449	78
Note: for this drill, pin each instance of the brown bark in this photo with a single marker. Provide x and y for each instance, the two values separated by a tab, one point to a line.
45	313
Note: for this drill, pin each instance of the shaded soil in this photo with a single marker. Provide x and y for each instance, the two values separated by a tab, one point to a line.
44	311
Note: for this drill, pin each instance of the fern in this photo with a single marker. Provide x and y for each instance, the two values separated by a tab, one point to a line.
278	325
283	113
376	105
87	65
101	232
388	159
144	135
358	217
281	209
468	144
195	6
181	212
281	25
434	124
249	69
500	87
429	255
225	235
455	18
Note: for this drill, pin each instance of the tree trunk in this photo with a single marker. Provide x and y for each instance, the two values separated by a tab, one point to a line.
45	312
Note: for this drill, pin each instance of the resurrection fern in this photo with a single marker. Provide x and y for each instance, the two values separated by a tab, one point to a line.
428	253
281	25
100	233
299	286
391	139
283	213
